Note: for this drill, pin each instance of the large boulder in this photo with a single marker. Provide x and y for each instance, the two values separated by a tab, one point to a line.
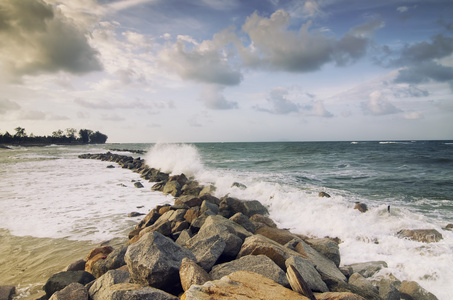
360	281
95	255
260	264
191	273
281	236
61	280
308	272
421	235
230	206
112	277
74	291
208	250
241	285
411	290
244	221
340	286
327	247
388	290
155	260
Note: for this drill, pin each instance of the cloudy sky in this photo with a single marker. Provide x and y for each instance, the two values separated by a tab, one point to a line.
236	70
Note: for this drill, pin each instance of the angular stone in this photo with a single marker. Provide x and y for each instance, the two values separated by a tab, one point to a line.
206	205
189	200
138	185
240	286
161	226
229	225
338	296
388	290
368	269
74	291
207	190
230	206
107	280
149	219
61	280
308	272
263	219
207	251
191	273
76	266
191	214
173	188
327	247
155	260
421	235
260	264
297	283
183	237
129	291
242	220
281	236
340	286
411	290
113	261
360	281
210	198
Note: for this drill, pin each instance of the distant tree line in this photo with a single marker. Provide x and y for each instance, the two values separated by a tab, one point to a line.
69	136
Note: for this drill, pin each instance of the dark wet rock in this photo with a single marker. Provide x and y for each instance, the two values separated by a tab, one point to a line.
449	227
362	207
110	167
74	291
259	264
159	186
323	194
191	188
239	185
421	235
155	261
135	214
61	280
138	185
210	198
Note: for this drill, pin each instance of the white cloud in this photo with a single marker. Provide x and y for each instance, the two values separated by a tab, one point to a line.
413	115
378	104
213	98
8	105
402	9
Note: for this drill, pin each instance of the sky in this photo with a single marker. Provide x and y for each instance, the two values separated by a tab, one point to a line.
228	71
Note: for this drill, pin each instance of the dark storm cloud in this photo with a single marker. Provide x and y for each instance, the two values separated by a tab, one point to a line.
41	39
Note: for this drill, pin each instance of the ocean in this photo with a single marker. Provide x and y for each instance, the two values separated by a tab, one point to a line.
55	207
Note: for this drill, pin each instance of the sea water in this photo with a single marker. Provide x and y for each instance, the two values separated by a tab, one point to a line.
50	198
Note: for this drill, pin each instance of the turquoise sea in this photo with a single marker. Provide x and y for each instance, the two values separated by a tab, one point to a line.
55	207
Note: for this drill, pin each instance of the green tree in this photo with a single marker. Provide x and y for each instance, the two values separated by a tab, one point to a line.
70	133
20	132
98	138
85	135
57	134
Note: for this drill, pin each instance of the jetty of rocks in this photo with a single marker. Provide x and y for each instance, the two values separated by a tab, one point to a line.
204	247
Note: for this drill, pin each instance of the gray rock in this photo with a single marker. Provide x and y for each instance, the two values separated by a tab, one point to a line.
183	237
336	285
129	291
260	264
7	292
308	272
263	220
159	186
206	205
360	281
155	260
173	188
242	220
368	269
421	235
208	250
74	291
76	266
113	261
189	200
231	226
61	280
207	190
107	280
411	290
138	185
327	247
388	290
230	206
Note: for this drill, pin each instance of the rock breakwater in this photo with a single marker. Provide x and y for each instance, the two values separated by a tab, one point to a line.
204	247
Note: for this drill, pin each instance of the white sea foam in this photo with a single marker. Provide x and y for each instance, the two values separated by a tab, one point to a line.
365	237
72	198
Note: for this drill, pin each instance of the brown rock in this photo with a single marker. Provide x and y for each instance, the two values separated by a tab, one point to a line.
7	292
323	194
411	290
191	214
263	219
281	236
164	209
241	285
297	283
188	200
338	296
191	273
95	255
421	235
